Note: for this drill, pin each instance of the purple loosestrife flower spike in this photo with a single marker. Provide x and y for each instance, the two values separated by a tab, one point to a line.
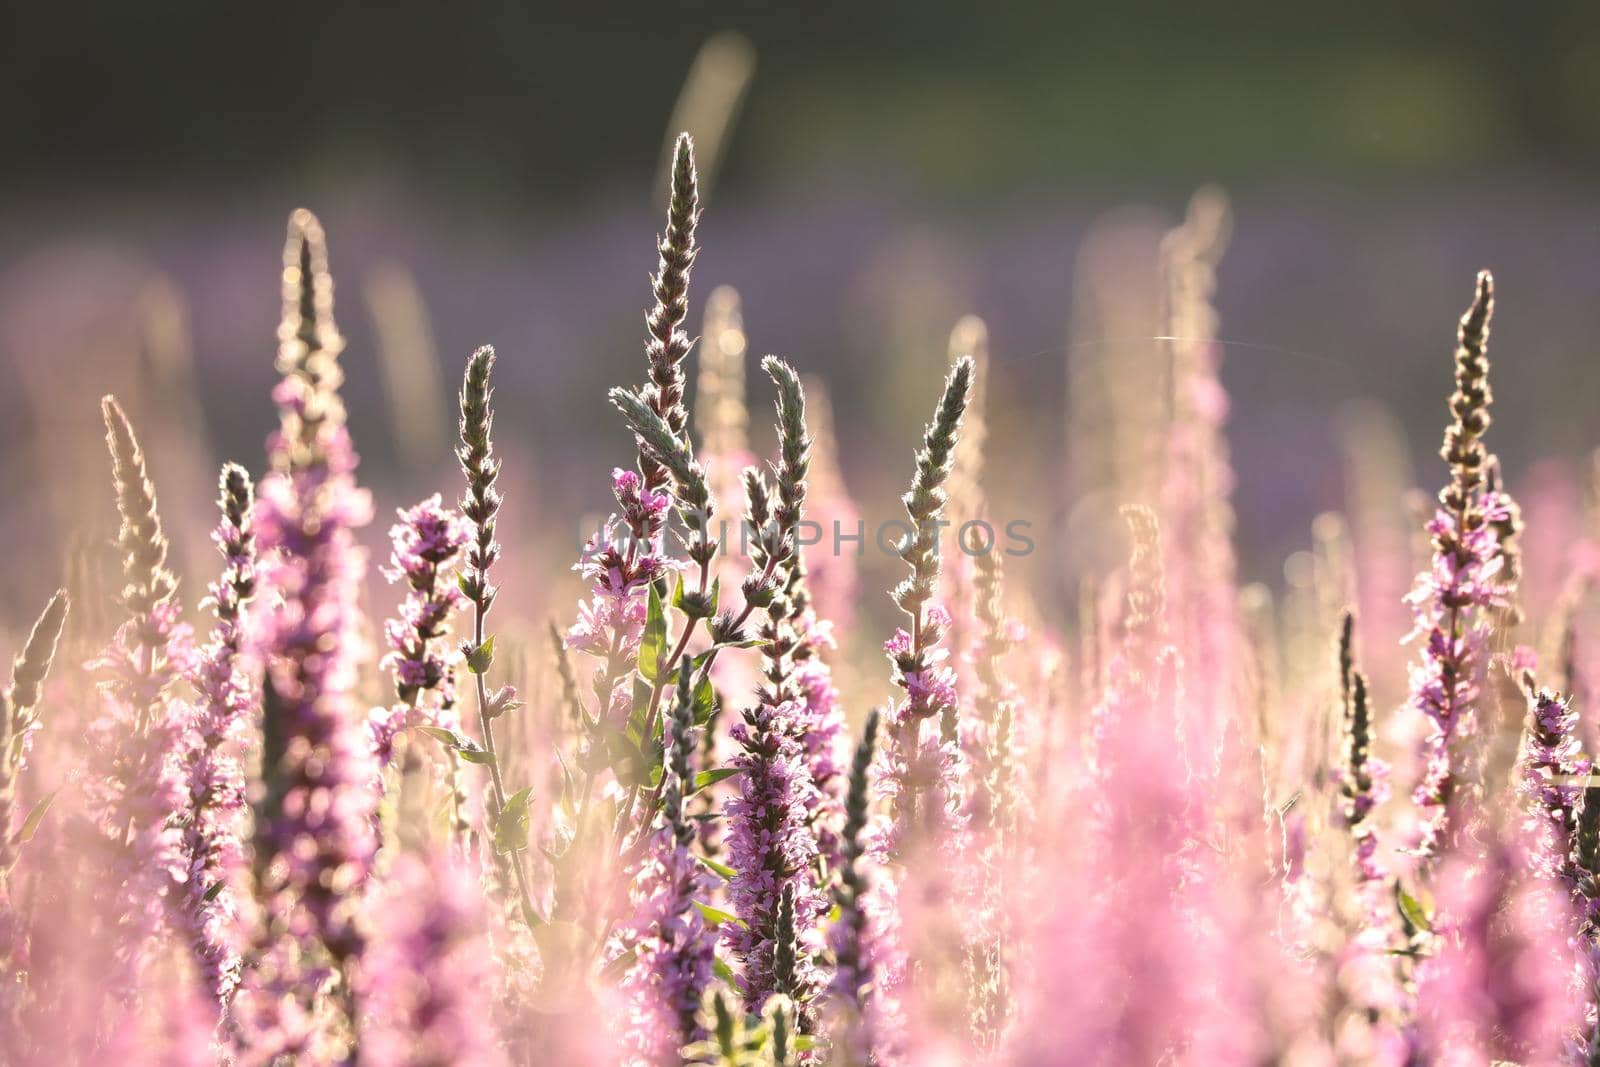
427	542
925	501
309	344
315	831
776	522
1132	675
1454	600
852	970
667	345
1197	484
794	444
134	794
18	717
30	669
214	774
673	948
918	764
987	739
773	820
988	735
795	636
481	505
771	847
1551	783
476	454
140	540
1363	780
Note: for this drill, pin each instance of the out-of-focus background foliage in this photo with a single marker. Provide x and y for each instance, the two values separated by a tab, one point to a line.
490	173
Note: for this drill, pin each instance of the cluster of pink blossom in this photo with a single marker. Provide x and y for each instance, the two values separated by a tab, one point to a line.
427	542
619	561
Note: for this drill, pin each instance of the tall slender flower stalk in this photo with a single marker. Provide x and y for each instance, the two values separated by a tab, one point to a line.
666	344
1453	602
19	718
1132	675
134	790
1373	970
777	529
1363	779
923	764
771	837
988	735
315	832
795	628
656	414
212	760
481	504
993	805
1196	505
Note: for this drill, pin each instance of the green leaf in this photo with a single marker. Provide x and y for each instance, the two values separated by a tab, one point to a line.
1411	910
30	825
716	916
627	762
479	659
714	867
749	642
447	738
511	828
211	894
653	646
720	968
641	706
712	777
705	701
459	742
